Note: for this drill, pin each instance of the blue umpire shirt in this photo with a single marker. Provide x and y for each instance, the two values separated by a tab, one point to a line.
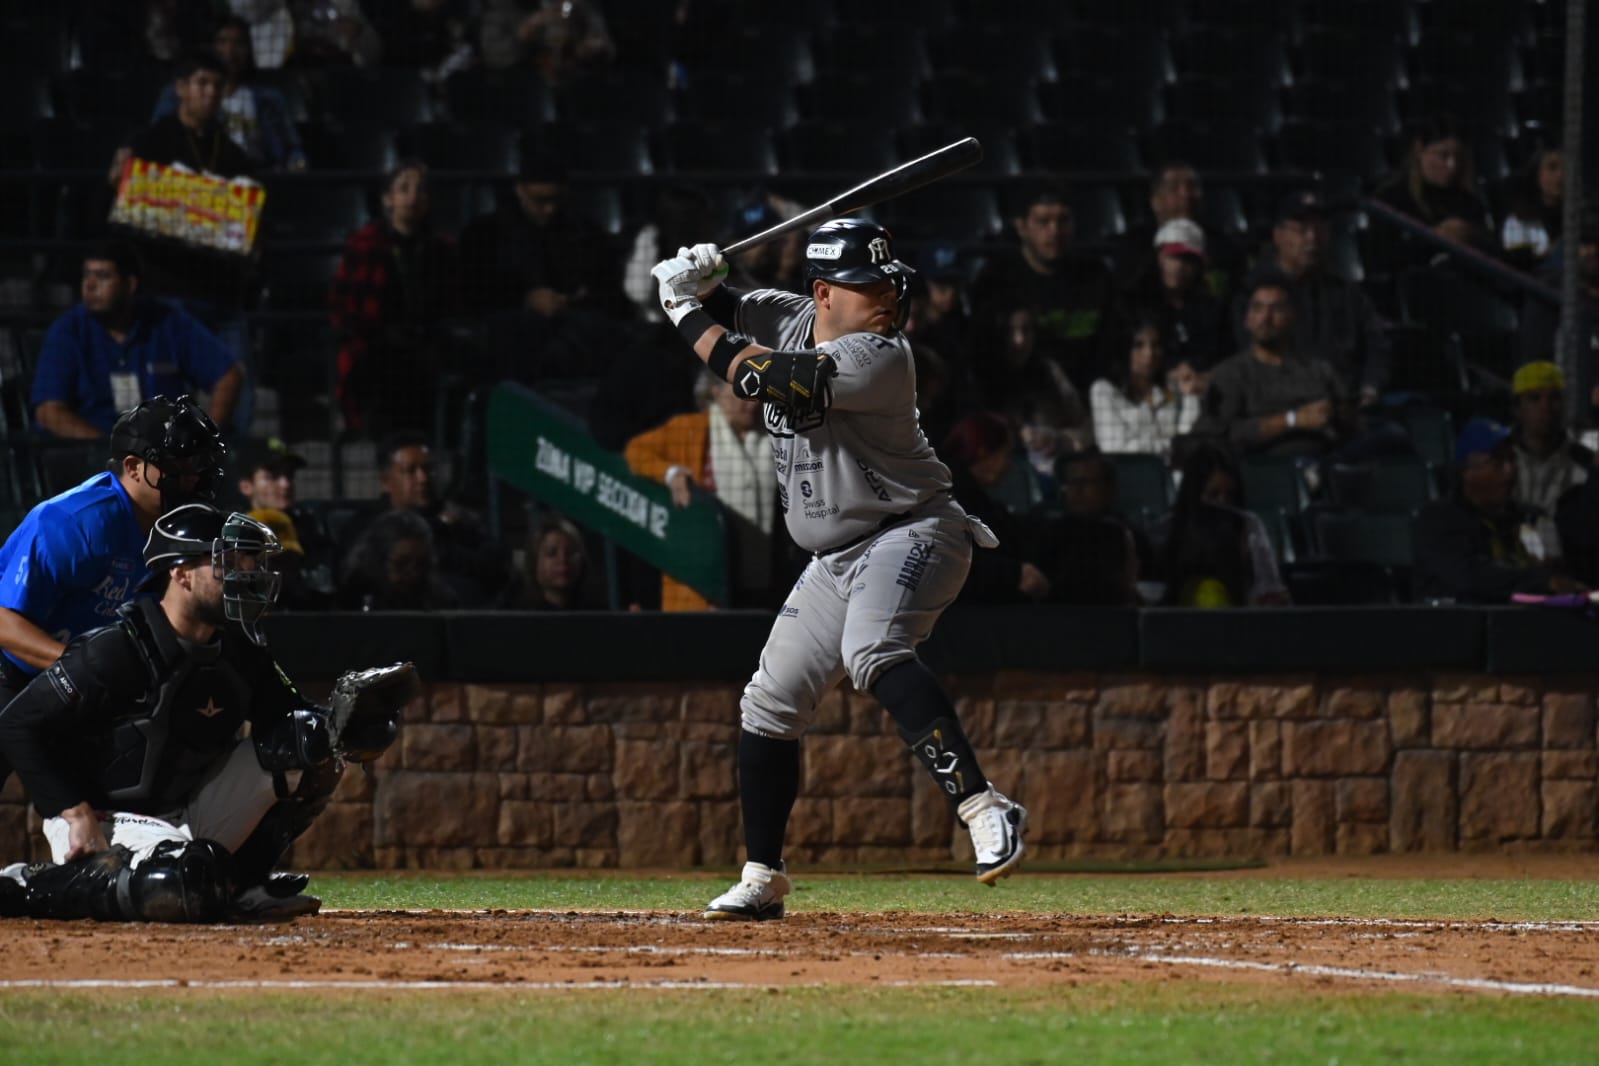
168	351
74	559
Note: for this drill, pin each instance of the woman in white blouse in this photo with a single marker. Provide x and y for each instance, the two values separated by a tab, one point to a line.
1136	408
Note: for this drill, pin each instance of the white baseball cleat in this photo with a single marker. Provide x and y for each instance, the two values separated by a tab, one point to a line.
758	896
996	825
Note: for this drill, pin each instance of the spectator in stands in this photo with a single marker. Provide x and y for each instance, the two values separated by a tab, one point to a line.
256	116
1268	398
1173	293
1210	551
470	562
1070	295
169	29
434	35
309	33
395	285
776	264
554	568
1087	484
1437	188
266	481
1137	406
1533	209
115	349
1176	192
1548	461
1032	390
558	38
682	214
721	449
553	272
1476	545
938	315
1334	320
1540	321
209	286
393	567
991	484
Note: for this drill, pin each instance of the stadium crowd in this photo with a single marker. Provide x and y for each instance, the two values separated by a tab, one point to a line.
1167	343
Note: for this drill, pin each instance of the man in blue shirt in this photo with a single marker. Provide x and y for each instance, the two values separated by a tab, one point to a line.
114	350
77	556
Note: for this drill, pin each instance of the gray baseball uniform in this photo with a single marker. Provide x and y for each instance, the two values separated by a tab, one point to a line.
862	489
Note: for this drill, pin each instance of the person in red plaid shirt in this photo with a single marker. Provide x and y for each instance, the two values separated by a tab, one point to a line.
397	280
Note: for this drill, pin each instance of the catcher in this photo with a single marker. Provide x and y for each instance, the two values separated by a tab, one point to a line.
158	804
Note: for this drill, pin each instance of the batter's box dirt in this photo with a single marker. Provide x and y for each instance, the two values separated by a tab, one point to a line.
539	949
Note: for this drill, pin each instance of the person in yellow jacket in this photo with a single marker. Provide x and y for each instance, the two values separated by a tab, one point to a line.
721	449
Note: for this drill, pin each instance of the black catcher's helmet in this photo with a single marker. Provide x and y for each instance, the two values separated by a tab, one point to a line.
855	251
240	550
178	439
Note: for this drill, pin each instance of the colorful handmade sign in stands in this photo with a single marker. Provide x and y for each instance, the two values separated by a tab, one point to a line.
199	210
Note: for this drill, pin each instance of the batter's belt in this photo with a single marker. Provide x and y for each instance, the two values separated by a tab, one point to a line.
888	523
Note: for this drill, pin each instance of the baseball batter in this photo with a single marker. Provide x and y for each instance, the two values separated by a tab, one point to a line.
864	492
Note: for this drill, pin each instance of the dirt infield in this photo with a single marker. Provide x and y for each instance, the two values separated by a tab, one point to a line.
534	949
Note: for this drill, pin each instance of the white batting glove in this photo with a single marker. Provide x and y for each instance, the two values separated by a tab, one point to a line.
712	267
679	281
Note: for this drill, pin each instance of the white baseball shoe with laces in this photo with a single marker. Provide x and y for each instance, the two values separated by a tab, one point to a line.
996	825
757	897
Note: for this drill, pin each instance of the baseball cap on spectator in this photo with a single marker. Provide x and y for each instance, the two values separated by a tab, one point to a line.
271	455
942	262
1302	205
1535	377
1480	436
1181	236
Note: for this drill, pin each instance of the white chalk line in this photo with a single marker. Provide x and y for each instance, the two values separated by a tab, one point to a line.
1485	984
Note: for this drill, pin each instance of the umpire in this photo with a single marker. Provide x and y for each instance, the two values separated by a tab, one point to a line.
157	805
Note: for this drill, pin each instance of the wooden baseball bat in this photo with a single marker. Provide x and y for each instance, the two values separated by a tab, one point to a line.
887	185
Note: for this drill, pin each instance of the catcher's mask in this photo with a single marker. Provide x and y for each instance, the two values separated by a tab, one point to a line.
241	551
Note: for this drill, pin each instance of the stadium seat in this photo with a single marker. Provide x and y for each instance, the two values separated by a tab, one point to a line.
1273	482
1394	18
298	282
1143	484
65	144
1134	55
1351	57
962	96
1544	58
891	53
601	203
1000	51
947	210
1485	323
1206	97
1000	156
456	203
1221	144
1321	100
313	211
617	96
1097	100
596	147
1097	212
1339	583
1064	147
836	146
1270	15
396	96
736	96
1397	485
1423	360
689	146
1251	58
1432	432
123	98
857	95
365	147
1383	539
28	97
485	146
516	96
1332	147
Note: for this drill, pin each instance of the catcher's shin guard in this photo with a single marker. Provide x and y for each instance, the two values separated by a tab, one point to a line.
181	881
284	822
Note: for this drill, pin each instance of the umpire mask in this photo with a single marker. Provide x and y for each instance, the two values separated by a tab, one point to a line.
178	439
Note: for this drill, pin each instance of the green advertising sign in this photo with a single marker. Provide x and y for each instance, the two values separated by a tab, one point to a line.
542	450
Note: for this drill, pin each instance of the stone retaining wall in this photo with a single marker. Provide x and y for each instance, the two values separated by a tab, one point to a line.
527	776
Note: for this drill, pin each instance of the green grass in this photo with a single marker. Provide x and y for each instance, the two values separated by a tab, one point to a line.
1177	1022
1031	893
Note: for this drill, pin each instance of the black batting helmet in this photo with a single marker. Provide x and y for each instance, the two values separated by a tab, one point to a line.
855	251
178	439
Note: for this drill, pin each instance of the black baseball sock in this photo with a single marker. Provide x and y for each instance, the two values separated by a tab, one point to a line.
927	722
768	783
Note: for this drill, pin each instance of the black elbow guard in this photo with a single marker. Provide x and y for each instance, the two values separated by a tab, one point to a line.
799	382
299	741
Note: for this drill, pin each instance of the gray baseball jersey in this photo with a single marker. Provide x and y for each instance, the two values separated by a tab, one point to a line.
865	459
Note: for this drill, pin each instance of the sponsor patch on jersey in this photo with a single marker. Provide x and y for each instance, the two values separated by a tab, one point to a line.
790	612
824	251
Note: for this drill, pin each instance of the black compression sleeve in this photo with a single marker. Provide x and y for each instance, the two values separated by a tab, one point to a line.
694	324
722	304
